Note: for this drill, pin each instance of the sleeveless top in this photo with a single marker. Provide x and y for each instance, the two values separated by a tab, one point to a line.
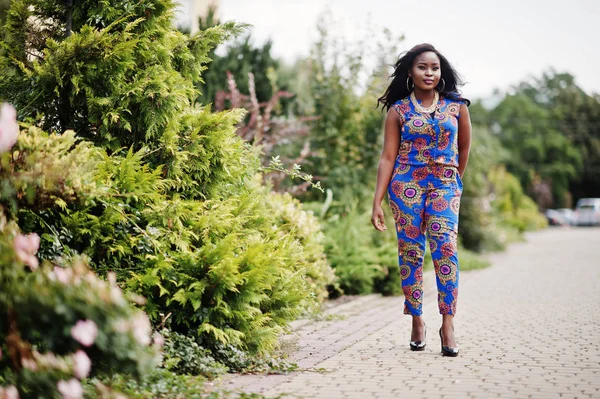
427	139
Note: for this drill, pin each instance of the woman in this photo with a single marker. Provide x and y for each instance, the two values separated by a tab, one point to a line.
425	153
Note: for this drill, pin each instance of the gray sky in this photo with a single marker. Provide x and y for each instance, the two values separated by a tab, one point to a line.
493	44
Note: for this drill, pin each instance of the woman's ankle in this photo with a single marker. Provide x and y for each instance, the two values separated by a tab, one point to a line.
417	321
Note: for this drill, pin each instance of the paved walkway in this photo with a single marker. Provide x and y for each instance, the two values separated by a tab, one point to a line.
528	327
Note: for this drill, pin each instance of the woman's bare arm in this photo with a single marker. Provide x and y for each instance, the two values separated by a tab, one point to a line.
391	144
464	139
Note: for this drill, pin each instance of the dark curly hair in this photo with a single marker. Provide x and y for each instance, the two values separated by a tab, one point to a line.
397	90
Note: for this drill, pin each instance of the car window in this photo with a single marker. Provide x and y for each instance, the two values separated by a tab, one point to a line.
586	207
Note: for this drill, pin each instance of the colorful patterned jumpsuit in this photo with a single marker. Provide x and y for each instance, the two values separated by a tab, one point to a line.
424	195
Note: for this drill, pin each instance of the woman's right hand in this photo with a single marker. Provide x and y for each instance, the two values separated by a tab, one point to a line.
377	218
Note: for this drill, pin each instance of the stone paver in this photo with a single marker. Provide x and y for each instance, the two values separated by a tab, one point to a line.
528	327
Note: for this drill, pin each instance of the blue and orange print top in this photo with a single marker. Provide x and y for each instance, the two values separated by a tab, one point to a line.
429	138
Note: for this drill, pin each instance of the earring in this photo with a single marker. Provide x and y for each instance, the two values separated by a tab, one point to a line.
413	86
443	85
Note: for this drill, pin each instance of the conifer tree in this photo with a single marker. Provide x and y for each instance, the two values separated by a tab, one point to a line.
173	205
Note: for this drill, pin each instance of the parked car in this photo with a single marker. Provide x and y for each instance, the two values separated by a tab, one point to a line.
568	215
560	217
587	212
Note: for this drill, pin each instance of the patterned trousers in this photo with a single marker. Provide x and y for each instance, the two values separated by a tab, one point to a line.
425	200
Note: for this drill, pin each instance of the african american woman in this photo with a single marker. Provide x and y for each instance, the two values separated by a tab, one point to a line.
425	152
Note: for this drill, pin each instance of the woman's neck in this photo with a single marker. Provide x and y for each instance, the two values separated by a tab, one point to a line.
424	96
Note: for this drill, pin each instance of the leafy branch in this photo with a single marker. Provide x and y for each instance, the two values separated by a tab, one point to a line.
275	165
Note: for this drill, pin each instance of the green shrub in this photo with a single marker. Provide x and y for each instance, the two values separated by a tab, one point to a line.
182	355
168	201
470	260
510	205
162	384
62	324
362	257
222	267
306	228
58	323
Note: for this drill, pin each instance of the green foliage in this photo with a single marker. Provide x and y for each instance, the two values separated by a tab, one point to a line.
542	148
511	205
188	257
235	279
162	384
335	137
4	5
470	260
182	355
45	171
166	196
39	312
305	228
345	138
551	128
494	207
241	58
361	257
151	66
275	165
477	229
239	361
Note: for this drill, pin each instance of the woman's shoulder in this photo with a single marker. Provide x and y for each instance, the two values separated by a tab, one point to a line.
402	106
404	100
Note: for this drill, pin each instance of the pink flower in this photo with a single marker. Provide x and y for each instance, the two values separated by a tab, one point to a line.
83	364
158	340
85	332
9	392
62	275
29	364
26	247
121	326
70	389
9	129
116	296
141	328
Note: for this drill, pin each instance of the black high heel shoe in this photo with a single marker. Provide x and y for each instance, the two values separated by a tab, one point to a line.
418	345
448	350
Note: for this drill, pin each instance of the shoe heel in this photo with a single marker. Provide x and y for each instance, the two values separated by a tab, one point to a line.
418	346
448	350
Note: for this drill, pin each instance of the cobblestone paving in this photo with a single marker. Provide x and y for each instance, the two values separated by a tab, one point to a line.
528	327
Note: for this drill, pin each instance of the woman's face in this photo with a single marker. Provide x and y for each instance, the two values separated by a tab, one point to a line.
426	71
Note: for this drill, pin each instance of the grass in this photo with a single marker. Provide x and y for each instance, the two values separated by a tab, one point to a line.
470	260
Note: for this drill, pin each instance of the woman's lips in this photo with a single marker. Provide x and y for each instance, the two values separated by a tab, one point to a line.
428	81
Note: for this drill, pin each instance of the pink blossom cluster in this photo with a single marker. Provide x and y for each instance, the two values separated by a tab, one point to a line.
9	129
70	389
9	392
62	275
26	247
85	332
139	326
78	273
158	340
81	363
